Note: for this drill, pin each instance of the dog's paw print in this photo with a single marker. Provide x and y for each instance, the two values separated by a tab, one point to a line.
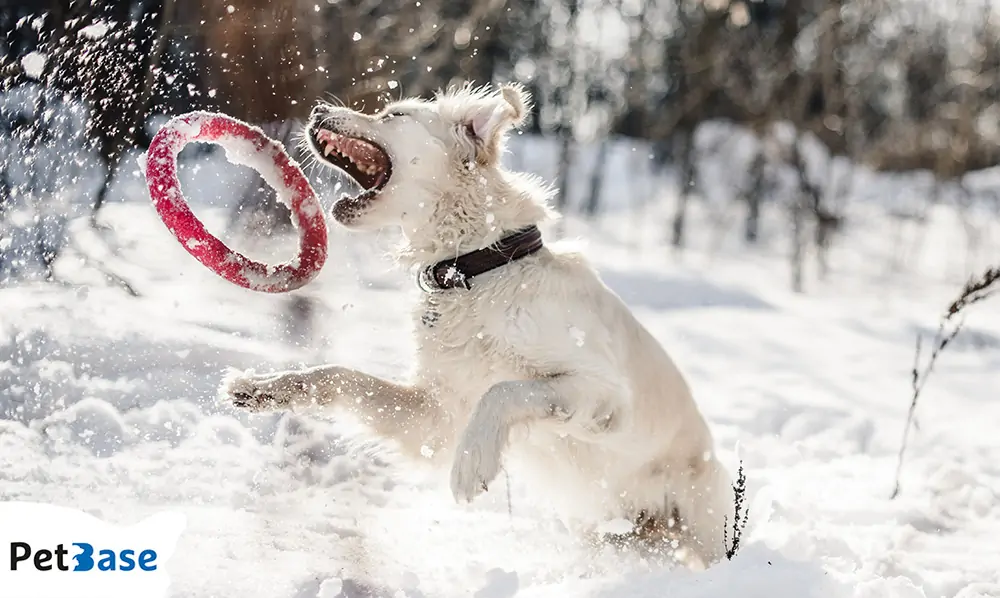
256	393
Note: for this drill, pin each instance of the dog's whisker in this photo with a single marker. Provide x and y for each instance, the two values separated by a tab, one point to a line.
334	100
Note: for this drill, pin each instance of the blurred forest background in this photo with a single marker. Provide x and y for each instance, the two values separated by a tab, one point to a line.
810	91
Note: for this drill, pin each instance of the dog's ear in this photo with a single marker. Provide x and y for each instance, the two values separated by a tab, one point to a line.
487	121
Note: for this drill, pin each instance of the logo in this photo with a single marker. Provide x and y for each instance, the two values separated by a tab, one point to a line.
48	551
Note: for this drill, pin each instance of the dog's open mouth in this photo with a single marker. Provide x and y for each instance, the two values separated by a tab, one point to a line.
365	162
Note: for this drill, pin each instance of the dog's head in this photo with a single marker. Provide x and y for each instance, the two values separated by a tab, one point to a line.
406	156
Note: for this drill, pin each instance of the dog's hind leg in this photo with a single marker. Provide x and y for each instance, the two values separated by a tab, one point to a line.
407	414
705	500
587	408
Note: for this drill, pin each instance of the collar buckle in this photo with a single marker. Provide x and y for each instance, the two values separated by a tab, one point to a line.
426	281
429	279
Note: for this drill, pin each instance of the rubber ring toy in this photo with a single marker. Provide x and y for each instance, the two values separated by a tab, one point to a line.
248	146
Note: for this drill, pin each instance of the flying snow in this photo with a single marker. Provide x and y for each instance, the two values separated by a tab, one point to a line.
33	64
95	31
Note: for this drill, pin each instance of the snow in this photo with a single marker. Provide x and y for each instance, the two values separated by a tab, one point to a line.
33	64
96	30
108	404
330	588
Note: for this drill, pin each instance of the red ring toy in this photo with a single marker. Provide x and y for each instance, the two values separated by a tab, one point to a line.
242	143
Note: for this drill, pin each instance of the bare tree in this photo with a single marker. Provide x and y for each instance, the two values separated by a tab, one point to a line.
160	22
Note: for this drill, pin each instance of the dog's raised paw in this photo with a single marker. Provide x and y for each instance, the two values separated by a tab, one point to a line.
256	393
477	463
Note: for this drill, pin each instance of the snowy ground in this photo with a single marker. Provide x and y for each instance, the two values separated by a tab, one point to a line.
107	403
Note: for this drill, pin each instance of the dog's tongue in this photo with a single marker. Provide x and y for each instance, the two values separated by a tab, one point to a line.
362	151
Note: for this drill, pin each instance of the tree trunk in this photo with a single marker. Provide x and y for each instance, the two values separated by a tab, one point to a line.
798	242
686	180
804	197
597	179
751	232
565	158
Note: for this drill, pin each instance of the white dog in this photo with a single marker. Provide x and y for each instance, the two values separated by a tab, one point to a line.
524	356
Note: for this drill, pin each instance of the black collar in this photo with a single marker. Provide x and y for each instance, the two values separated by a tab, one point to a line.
456	272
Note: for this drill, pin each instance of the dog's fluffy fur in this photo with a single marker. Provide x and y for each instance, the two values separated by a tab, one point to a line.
539	365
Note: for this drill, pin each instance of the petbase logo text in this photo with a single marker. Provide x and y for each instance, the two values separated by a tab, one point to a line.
86	559
60	552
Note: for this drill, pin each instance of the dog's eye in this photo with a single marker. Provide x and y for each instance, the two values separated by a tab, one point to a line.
389	115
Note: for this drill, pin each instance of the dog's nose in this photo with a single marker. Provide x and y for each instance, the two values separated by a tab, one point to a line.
318	110
321	110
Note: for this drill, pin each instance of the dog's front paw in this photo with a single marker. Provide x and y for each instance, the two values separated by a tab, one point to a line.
256	393
477	463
